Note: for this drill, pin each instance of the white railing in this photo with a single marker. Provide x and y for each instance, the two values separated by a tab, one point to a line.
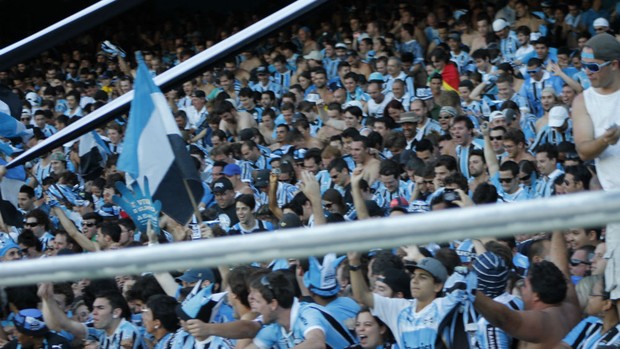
569	211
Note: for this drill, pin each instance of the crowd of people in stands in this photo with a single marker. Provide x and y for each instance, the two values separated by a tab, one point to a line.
361	110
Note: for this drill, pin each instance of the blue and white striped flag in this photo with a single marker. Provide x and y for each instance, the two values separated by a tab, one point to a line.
154	148
93	154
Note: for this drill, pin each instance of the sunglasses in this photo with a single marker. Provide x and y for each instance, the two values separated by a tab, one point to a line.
498	138
525	178
506	180
265	282
444	117
575	262
593	67
89	224
328	205
334	176
534	71
31	224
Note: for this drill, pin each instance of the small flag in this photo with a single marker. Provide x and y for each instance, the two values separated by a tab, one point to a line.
93	154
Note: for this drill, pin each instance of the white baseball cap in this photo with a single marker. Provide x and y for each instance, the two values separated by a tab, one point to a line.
557	116
499	24
600	22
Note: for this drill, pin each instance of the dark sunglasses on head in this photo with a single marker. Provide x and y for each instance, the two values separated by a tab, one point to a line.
593	67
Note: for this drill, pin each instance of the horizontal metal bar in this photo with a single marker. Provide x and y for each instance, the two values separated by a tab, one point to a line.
534	216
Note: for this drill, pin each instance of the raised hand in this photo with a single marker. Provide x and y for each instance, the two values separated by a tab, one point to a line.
138	205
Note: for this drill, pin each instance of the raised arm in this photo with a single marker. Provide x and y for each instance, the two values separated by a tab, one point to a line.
559	257
54	317
361	293
489	154
273	196
310	187
67	224
356	193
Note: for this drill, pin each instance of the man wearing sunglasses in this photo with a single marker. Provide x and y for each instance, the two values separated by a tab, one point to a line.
596	131
538	78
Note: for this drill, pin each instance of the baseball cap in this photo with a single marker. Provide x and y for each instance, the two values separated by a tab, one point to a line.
231	170
433	267
195	275
456	36
399	204
261	178
6	243
314	55
376	76
600	22
499	24
58	156
199	94
30	322
373	209
409	117
288	221
321	278
222	185
398	280
448	110
341	45
34	99
557	116
496	115
604	46
492	274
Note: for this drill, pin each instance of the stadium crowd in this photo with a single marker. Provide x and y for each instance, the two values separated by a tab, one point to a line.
361	110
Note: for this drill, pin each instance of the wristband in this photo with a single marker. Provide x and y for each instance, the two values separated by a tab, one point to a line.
354	267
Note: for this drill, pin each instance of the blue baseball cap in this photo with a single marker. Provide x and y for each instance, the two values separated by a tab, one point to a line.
30	322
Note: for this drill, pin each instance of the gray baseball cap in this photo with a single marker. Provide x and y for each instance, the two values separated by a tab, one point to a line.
433	267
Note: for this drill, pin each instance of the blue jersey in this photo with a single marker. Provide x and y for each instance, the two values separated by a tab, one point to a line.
587	334
519	195
508	46
491	337
383	197
305	317
411	329
259	226
545	186
462	156
126	331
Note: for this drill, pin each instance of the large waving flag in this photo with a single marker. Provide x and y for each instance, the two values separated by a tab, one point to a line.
154	148
93	154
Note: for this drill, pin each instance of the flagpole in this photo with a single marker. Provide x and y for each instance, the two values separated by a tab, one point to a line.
193	201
